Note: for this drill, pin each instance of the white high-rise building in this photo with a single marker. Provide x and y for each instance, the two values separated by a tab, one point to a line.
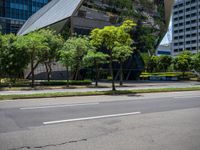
186	26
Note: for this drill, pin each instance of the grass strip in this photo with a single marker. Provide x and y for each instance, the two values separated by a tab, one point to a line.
71	94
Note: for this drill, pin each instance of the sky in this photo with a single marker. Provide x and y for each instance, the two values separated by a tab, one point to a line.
168	37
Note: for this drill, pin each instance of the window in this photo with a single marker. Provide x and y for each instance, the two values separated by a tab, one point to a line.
194	48
175	44
188	35
187	16
194	34
193	14
187	42
193	21
187	29
180	18
175	19
180	24
175	50
180	37
194	28
180	43
187	22
193	42
188	3
176	38
188	9
181	30
176	31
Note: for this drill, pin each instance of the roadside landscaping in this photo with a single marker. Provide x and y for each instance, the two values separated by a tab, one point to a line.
26	83
94	93
167	76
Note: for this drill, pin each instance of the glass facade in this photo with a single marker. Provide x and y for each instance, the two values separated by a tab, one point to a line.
14	13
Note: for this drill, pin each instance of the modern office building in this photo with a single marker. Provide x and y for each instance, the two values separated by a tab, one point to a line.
186	26
76	14
80	17
14	13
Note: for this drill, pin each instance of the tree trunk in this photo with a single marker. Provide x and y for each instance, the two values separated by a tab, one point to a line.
50	71
67	68
97	74
76	73
47	71
32	73
183	74
112	72
121	73
34	69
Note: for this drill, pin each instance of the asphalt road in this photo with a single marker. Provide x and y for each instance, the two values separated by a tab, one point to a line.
146	121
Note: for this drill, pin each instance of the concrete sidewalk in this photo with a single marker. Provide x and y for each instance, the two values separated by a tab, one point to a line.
127	86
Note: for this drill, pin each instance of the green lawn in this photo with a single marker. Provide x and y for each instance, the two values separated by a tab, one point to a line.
70	94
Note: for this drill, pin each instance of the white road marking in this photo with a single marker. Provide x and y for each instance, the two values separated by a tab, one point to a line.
59	106
182	97
90	118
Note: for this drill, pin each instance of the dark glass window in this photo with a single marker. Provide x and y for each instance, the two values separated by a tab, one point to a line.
16	12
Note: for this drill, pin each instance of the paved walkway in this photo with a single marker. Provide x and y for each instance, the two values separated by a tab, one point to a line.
128	86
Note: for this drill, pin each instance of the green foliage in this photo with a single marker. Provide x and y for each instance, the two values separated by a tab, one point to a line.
144	38
73	52
147	75
12	59
111	38
164	62
152	65
35	45
158	63
95	59
196	62
54	43
146	58
64	82
26	83
121	3
183	62
122	52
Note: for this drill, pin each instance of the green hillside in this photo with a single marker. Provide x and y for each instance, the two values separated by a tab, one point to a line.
149	15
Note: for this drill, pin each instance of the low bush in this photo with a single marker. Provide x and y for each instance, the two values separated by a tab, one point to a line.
27	83
64	82
188	75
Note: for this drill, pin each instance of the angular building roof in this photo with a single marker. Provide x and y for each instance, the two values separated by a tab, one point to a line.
59	10
55	11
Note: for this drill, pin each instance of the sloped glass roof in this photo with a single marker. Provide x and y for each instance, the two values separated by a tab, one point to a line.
53	12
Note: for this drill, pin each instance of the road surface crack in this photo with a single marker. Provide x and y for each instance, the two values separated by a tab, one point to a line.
49	145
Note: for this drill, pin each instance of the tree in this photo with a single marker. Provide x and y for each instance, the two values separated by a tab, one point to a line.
109	37
54	43
152	65
183	62
34	43
12	59
164	62
66	58
146	59
1	41
196	62
76	48
94	58
121	53
144	39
